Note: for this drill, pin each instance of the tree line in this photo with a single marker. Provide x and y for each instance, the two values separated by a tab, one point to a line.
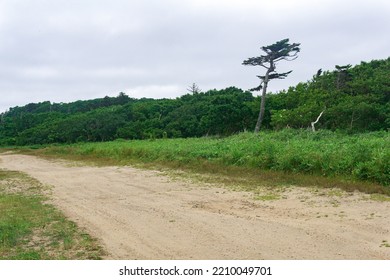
352	99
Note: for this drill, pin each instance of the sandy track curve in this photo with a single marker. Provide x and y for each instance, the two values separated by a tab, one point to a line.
140	214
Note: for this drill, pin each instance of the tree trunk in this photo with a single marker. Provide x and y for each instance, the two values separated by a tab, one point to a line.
262	104
262	107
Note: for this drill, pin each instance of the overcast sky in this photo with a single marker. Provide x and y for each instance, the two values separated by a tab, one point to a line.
67	50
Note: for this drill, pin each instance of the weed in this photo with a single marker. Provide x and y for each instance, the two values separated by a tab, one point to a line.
385	243
267	197
379	197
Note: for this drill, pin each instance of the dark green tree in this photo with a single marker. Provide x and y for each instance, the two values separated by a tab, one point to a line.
343	75
281	50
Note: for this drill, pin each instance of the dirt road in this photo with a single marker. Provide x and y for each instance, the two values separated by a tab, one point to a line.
140	214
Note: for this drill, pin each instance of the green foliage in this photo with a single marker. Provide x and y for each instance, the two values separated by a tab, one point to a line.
353	99
214	112
281	50
325	153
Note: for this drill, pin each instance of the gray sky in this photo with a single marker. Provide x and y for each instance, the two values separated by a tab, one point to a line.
67	50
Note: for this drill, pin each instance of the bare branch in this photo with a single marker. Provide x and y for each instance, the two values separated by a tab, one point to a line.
193	88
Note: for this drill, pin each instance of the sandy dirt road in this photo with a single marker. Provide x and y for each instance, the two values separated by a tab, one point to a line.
140	214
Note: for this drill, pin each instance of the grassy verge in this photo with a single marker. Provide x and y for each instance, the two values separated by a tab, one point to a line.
32	229
291	157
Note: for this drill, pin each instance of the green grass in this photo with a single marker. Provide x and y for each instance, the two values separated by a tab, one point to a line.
360	161
267	197
379	197
32	229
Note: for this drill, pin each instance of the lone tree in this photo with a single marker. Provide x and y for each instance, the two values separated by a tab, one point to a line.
281	50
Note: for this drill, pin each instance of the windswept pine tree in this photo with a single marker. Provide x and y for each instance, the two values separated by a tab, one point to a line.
281	50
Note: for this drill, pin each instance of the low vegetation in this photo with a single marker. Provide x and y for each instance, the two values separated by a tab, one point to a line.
32	229
359	161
